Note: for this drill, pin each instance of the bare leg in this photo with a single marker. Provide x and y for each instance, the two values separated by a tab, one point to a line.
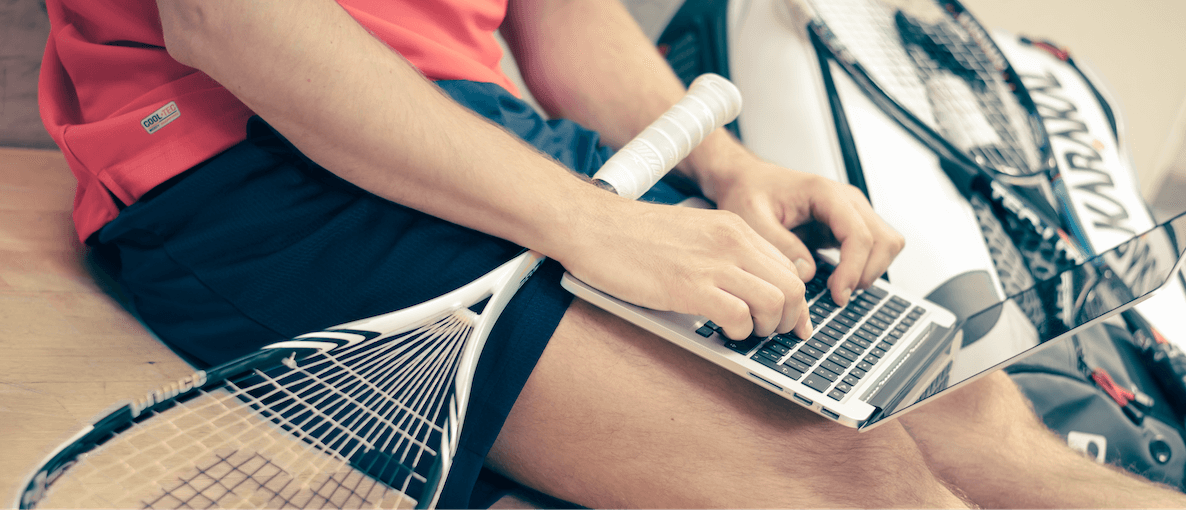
986	440
615	417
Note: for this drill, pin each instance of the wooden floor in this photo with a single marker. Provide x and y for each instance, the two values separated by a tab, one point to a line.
67	349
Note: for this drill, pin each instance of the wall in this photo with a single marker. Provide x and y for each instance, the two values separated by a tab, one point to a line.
23	30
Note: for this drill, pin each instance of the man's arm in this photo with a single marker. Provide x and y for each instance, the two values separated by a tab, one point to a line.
358	109
590	62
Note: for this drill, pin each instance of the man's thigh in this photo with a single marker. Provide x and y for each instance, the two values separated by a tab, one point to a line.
613	416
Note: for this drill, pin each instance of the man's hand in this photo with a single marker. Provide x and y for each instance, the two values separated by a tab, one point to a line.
783	205
703	262
741	266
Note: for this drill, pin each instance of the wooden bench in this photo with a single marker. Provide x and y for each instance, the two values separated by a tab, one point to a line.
68	350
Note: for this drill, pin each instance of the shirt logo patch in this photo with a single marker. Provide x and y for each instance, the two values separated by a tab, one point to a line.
161	117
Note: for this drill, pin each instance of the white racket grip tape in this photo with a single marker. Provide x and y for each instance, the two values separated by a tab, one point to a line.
711	102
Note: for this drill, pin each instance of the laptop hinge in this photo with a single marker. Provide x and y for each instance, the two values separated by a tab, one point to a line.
898	382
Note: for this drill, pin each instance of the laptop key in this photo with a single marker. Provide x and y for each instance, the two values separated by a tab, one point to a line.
836	395
865	335
811	351
851	380
851	314
743	346
840	360
805	359
824	339
860	306
845	353
823	347
860	344
868	300
879	293
831	367
832	332
782	369
817	383
797	365
830	376
765	360
788	339
840	319
856	346
788	343
875	322
789	372
777	347
767	353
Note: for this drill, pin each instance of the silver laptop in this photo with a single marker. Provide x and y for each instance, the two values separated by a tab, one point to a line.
887	352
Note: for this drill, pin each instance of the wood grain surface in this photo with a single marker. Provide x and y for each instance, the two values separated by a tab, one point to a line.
68	350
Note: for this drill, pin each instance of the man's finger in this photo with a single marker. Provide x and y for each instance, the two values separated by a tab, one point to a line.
766	299
789	244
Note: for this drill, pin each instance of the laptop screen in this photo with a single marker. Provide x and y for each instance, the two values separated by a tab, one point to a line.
1053	309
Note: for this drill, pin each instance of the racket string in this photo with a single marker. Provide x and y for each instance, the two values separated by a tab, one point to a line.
321	440
391	410
943	71
413	356
431	382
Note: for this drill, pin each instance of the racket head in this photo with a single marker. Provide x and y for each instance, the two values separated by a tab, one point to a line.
933	68
933	61
367	413
211	440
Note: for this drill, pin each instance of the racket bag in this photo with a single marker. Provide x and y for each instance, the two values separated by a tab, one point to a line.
1115	392
1098	392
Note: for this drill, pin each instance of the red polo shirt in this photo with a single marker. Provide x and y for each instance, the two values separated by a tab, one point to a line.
128	117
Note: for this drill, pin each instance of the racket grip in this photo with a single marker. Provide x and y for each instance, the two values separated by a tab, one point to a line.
711	102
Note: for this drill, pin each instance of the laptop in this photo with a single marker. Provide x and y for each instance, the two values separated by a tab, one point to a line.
887	352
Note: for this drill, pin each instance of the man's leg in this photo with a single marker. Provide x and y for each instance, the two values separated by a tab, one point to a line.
615	417
987	441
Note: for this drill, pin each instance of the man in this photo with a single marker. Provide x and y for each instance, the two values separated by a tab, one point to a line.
257	242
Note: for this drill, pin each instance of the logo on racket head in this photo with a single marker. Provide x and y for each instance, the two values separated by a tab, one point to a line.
185	384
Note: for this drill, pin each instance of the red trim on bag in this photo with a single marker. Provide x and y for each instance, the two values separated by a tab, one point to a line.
1059	53
1106	383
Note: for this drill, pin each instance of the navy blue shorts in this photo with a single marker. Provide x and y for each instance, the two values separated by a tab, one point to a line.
260	244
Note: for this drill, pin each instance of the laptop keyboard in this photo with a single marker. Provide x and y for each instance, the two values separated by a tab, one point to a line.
847	343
